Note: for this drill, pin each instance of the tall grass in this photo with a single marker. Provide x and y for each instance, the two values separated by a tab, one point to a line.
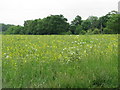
60	61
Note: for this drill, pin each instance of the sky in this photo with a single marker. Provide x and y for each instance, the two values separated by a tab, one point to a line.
17	11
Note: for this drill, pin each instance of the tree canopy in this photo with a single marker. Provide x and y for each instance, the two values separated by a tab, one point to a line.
58	24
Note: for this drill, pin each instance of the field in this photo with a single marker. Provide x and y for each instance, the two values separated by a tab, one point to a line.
60	61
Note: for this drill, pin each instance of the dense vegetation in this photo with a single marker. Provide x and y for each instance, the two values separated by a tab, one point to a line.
60	61
57	24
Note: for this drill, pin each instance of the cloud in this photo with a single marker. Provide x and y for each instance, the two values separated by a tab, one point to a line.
16	11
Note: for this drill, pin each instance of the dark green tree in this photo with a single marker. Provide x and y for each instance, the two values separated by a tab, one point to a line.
113	24
77	21
75	24
14	30
104	19
53	24
29	27
86	24
94	21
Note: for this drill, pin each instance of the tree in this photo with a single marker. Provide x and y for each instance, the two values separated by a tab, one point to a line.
78	29
107	31
5	27
104	19
114	23
53	24
74	24
14	30
29	27
94	21
86	24
56	24
77	21
82	32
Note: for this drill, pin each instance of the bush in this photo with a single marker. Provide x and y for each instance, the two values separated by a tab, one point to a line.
66	33
78	29
83	32
89	32
96	31
107	31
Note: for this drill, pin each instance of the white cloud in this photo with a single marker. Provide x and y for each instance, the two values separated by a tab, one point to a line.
16	11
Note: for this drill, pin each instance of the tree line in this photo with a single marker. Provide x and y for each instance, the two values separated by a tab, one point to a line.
58	24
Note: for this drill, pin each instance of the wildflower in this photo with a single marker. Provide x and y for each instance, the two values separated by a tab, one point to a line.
7	56
90	46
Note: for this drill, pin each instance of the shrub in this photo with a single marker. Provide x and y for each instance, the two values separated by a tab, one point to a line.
107	31
96	31
66	33
83	32
89	32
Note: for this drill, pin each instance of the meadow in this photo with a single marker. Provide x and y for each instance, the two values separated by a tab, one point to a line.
60	61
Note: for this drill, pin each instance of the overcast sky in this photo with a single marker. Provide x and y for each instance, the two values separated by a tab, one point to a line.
17	11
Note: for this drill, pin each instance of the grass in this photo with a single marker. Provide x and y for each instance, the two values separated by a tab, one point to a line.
60	61
0	61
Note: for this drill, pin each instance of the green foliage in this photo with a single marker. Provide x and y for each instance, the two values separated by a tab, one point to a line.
107	31
114	23
94	21
60	61
5	27
57	24
102	22
86	24
14	30
72	29
54	24
66	33
82	32
0	28
78	29
96	31
89	32
29	27
75	25
77	21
